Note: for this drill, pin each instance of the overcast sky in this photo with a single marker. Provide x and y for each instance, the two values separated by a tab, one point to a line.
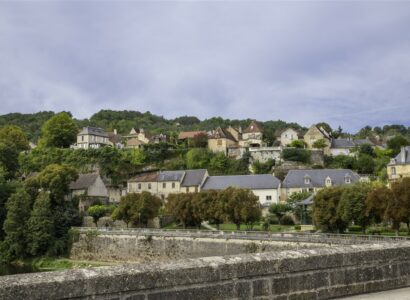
346	63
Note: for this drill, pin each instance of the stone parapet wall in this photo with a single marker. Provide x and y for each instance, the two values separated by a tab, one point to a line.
299	274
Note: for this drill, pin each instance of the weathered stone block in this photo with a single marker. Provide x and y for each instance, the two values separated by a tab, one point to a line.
261	287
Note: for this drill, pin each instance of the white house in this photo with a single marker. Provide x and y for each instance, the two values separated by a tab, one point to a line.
265	186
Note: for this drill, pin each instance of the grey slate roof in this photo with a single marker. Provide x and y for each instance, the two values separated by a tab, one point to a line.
253	182
296	178
84	181
342	143
170	176
193	177
398	159
93	131
359	142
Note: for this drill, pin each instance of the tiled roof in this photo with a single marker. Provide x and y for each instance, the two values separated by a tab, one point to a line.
342	143
171	175
145	177
194	177
221	133
253	182
94	131
189	134
84	181
296	178
134	142
253	127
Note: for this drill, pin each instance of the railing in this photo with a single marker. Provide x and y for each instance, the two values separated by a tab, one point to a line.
250	235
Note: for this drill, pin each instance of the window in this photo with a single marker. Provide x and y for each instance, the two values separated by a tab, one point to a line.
82	138
348	179
149	186
393	170
139	186
268	198
164	185
307	179
173	185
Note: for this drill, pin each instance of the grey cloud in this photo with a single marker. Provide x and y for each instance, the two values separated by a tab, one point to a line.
342	62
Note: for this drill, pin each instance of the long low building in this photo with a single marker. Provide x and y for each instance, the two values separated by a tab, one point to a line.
314	180
265	186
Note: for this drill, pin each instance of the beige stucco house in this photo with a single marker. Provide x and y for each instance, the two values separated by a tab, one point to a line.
314	134
164	183
399	167
92	137
289	135
297	181
252	136
220	140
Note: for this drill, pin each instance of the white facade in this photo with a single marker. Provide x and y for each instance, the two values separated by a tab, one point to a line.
288	136
267	196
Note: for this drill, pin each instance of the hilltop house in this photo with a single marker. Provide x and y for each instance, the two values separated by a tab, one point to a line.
265	186
163	183
92	137
399	167
220	140
314	180
288	135
347	146
314	134
252	136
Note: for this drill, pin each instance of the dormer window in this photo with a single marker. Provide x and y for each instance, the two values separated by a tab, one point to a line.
328	181
393	161
348	179
307	179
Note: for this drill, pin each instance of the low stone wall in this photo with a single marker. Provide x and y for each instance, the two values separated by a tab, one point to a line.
94	245
302	274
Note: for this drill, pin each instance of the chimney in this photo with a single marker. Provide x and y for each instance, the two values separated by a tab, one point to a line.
403	154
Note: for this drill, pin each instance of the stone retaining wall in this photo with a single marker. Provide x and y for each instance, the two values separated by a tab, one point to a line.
140	248
302	274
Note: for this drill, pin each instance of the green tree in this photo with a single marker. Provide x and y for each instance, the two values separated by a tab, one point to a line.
320	144
325	210
297	144
208	207
182	207
263	168
398	206
56	179
364	164
296	154
376	203
219	164
352	206
396	143
280	209
367	149
99	211
125	211
198	158
240	206
15	226
9	159
59	131
14	135
40	226
147	207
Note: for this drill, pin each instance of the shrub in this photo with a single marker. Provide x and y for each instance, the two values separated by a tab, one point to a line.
287	220
298	227
355	228
272	219
296	154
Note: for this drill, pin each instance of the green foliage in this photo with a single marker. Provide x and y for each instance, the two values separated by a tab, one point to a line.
40	226
59	131
367	149
263	168
208	207
99	211
364	164
287	220
325	210
295	154
146	207
9	159
297	144
398	205
182	207
320	144
199	141
376	203
280	209
396	143
15	226
198	158
340	162
352	207
296	197
14	135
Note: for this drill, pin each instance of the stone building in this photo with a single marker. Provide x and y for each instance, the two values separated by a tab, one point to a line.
92	137
297	181
265	186
163	183
314	134
399	167
221	140
288	135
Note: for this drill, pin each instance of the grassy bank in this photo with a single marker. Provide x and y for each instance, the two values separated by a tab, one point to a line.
56	264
